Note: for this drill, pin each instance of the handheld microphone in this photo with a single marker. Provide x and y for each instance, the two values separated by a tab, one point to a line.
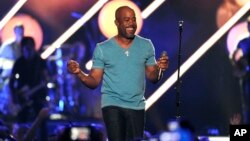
164	53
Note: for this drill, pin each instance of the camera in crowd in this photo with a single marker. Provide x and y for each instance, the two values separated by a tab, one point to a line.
82	133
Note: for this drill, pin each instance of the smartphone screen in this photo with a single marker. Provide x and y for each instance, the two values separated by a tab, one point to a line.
80	133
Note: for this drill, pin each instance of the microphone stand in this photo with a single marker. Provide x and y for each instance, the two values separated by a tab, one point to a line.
178	102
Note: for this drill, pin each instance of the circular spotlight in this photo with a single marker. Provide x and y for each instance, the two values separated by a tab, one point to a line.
235	35
106	17
31	28
241	2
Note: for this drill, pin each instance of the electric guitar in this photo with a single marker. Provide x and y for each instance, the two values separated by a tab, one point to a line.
25	94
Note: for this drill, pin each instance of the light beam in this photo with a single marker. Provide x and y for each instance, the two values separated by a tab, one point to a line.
12	12
151	8
90	13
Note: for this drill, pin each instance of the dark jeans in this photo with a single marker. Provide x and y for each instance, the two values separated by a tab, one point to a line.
123	124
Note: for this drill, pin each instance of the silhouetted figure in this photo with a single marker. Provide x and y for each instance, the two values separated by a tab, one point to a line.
28	82
241	62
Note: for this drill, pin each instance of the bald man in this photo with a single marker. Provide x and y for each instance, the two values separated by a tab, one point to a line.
121	63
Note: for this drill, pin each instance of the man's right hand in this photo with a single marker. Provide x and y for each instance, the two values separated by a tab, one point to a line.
238	54
73	67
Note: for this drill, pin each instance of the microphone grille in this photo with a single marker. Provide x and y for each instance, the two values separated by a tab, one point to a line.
164	53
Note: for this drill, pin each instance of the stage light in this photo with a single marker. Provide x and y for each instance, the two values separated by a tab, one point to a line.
89	64
6	63
106	17
79	23
151	8
193	58
241	2
56	116
31	28
11	13
235	35
214	138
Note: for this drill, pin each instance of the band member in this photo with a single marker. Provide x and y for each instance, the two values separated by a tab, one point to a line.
241	63
27	82
9	52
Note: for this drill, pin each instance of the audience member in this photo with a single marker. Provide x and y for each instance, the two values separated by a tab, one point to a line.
22	132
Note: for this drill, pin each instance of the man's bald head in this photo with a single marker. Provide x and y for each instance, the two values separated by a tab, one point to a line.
120	10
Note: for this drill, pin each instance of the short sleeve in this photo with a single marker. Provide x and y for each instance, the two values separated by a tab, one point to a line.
98	58
151	54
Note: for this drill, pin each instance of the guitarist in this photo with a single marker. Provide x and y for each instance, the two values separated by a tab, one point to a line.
27	77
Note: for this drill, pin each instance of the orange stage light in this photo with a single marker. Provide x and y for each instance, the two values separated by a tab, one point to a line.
31	28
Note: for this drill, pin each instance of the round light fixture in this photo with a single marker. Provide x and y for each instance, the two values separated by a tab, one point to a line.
31	28
235	35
